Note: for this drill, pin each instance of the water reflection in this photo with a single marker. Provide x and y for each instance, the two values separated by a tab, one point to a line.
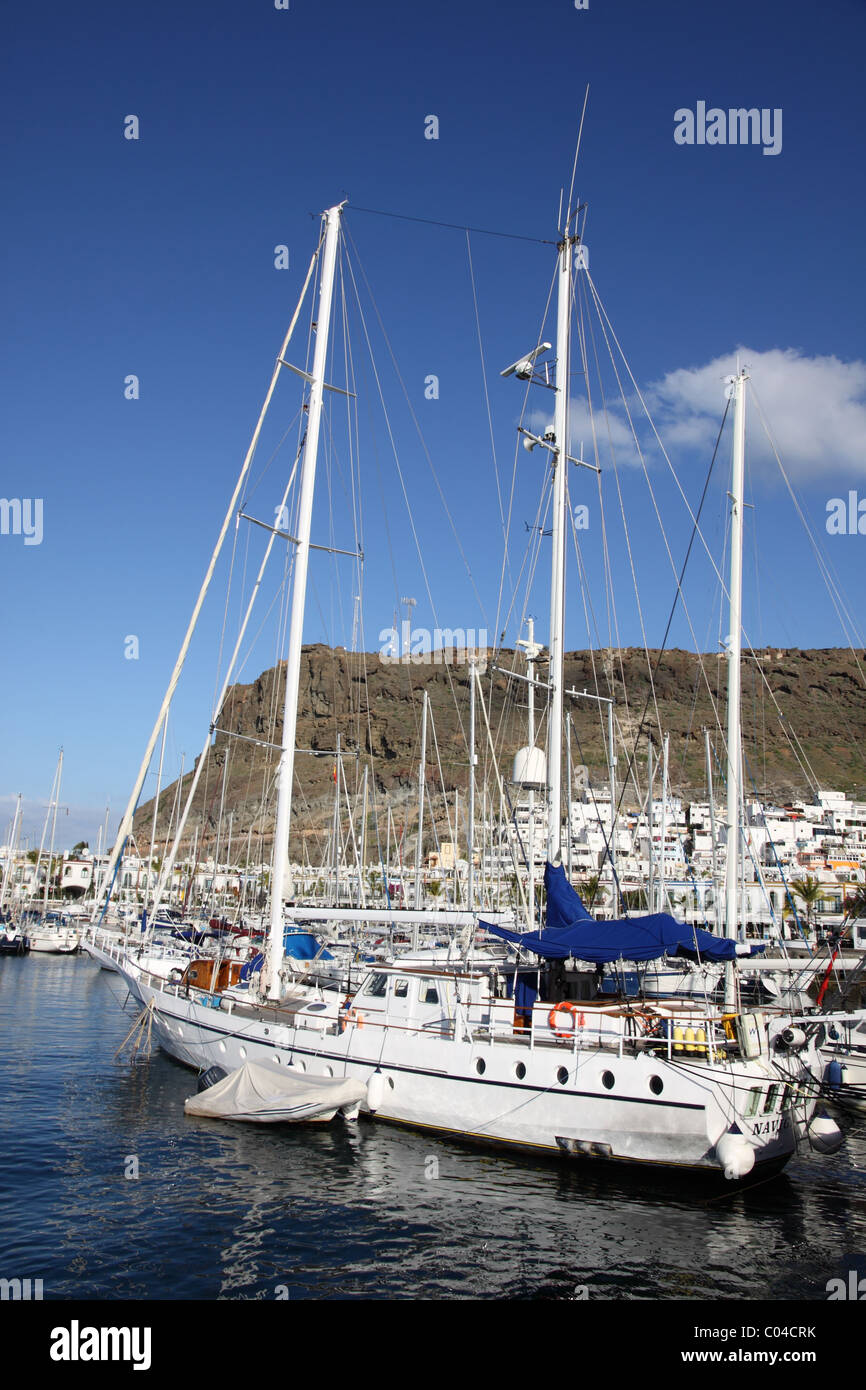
341	1211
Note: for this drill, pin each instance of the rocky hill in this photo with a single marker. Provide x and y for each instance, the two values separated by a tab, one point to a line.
804	720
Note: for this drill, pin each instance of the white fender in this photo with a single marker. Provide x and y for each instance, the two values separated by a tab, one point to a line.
735	1155
825	1135
375	1091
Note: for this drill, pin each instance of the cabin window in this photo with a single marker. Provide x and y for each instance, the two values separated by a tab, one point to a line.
401	989
378	986
429	992
772	1097
753	1102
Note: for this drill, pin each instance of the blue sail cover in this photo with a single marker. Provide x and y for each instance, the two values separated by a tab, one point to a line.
564	907
634	938
302	945
252	966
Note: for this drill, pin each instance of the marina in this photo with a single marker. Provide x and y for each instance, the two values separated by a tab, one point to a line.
436	868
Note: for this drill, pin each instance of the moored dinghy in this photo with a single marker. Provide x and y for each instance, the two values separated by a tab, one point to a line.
263	1095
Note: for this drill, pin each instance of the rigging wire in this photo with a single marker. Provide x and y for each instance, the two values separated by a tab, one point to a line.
453	226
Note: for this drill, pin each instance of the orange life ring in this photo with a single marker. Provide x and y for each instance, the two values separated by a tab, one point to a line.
352	1017
577	1019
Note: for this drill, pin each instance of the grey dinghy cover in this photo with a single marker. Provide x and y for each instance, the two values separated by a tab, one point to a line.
265	1096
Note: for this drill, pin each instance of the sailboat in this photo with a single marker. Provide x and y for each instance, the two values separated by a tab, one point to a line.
523	1053
52	933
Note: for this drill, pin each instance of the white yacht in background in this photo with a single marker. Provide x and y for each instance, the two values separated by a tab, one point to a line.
54	935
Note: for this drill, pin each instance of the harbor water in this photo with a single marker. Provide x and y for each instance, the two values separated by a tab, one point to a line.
110	1192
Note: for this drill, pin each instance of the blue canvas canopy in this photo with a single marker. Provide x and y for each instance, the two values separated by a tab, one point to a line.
302	945
564	906
572	932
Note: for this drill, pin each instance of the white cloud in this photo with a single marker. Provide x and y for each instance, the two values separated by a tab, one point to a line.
815	408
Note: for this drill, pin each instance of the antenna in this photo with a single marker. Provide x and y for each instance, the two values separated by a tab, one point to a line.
576	153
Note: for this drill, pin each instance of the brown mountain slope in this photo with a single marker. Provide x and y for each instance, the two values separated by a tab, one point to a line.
816	737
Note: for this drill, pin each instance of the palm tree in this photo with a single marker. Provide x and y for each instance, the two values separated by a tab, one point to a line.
635	900
592	892
809	891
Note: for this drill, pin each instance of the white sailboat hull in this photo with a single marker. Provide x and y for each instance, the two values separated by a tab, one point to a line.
62	941
559	1103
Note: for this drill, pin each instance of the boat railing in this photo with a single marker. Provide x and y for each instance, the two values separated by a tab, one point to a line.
677	1034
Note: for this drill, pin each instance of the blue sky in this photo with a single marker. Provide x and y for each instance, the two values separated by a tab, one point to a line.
156	257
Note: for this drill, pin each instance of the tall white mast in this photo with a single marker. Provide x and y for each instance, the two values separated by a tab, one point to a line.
470	838
11	849
422	770
299	594
611	747
713	836
734	644
557	574
149	893
53	829
533	650
662	890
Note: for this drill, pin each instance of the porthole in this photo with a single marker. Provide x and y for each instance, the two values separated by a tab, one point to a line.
301	1066
562	1075
222	1047
391	1082
243	1054
656	1085
329	1071
607	1080
481	1066
179	1031
520	1071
